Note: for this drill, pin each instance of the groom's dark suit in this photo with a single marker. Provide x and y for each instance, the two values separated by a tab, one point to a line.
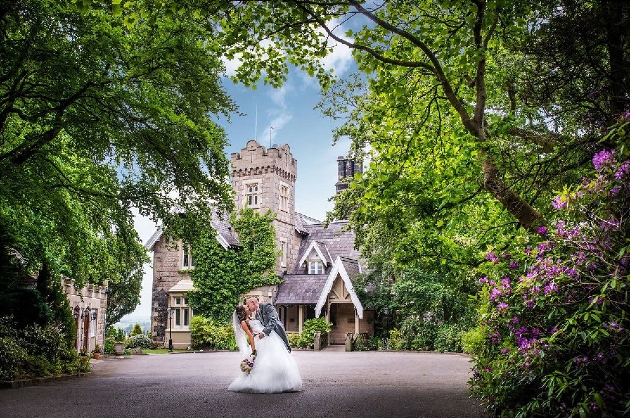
271	322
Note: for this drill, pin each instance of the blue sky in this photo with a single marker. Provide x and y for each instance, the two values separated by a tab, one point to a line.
279	116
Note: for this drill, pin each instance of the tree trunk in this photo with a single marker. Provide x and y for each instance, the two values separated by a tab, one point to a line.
515	204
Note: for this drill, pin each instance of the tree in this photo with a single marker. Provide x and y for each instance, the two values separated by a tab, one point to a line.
222	275
98	117
137	330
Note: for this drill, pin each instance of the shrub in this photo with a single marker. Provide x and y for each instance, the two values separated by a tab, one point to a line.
139	341
449	338
311	326
294	339
108	347
137	330
555	337
396	340
208	334
34	351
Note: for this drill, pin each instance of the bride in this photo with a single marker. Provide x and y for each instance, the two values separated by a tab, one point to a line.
274	369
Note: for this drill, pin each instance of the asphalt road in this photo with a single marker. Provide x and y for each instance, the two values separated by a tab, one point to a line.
336	384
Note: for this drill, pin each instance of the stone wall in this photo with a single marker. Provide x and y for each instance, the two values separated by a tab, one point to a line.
167	273
90	306
272	169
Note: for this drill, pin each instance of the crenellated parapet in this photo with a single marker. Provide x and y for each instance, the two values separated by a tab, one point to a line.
257	160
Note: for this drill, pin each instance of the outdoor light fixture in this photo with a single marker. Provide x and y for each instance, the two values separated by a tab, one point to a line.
170	328
86	312
75	313
94	315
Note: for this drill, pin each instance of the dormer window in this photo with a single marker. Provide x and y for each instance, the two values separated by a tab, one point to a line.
315	267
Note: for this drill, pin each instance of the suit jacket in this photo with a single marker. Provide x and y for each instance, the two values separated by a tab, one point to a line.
271	322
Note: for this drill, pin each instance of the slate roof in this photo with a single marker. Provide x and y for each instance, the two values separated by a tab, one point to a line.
300	289
333	241
225	233
302	220
224	229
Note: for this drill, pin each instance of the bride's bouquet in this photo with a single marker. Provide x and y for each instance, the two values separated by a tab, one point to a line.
248	364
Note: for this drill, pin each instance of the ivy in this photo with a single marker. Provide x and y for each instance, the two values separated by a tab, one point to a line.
221	276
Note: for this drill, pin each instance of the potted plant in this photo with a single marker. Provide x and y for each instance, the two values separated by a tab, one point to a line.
119	348
96	353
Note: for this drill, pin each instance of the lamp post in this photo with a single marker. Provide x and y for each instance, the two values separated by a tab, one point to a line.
170	328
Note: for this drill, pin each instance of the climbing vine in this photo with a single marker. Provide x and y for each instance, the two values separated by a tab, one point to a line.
221	276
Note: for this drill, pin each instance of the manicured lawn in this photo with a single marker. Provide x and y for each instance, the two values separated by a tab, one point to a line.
160	351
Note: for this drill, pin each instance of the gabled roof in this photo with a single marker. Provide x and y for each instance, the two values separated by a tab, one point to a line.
301	221
300	289
225	233
154	238
317	247
341	268
333	241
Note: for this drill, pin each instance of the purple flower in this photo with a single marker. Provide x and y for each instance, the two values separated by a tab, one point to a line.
602	158
615	191
502	306
492	257
542	230
622	170
505	350
513	265
559	203
483	280
551	287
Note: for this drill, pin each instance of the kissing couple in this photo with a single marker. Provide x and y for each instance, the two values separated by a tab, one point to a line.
269	366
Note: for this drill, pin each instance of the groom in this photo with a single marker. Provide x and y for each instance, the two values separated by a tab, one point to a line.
267	315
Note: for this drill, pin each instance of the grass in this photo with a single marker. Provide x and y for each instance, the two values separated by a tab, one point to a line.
160	351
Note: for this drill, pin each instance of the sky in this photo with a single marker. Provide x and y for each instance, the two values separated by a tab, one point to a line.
278	116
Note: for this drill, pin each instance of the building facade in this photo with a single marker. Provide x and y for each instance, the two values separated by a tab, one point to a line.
316	263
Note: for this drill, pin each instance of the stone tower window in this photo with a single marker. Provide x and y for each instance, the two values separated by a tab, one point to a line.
251	195
284	197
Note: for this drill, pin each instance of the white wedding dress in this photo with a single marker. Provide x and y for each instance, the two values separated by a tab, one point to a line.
274	368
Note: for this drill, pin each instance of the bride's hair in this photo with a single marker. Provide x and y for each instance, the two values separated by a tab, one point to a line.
240	313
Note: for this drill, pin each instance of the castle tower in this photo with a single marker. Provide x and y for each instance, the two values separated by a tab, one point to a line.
265	179
346	168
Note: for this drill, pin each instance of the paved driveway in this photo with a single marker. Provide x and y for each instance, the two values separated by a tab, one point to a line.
336	384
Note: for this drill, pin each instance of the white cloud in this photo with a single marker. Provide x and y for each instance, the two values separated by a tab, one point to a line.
276	124
231	65
341	58
278	96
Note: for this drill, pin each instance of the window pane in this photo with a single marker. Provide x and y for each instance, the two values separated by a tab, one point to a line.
177	317
186	318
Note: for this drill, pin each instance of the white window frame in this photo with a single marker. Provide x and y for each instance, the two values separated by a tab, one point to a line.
92	326
315	267
182	313
253	197
187	260
284	196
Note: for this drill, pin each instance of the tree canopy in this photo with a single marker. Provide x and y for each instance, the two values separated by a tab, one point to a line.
98	117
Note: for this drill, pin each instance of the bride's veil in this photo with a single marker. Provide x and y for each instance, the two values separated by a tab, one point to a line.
240	336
